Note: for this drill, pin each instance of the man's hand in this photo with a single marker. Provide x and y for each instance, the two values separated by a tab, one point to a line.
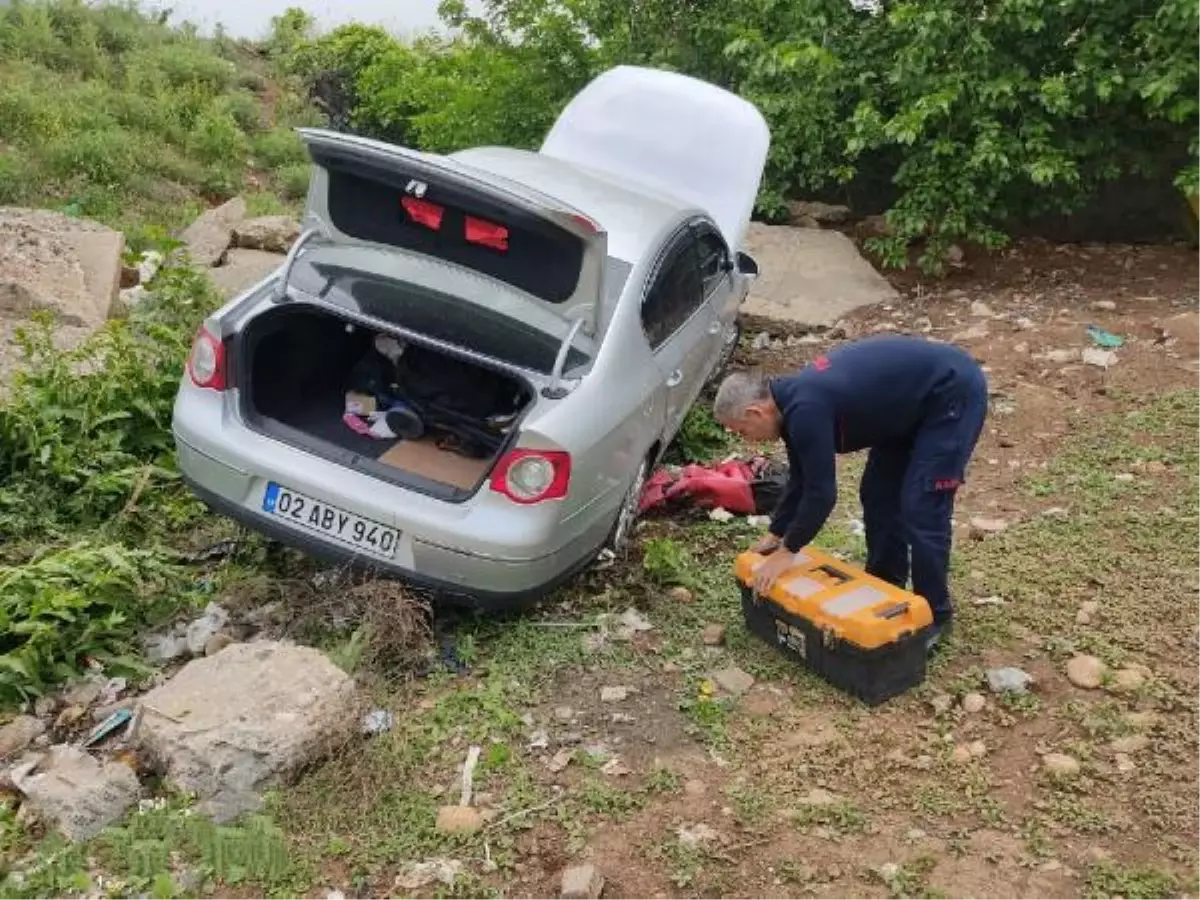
768	543
771	568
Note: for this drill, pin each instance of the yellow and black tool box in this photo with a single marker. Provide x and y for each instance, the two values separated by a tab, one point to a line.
856	631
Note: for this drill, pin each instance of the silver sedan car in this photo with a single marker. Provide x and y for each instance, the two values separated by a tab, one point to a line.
467	364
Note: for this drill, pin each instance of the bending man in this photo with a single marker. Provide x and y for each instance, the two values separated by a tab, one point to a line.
919	406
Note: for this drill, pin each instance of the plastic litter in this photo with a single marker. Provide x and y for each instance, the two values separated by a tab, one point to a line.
378	721
1105	340
107	727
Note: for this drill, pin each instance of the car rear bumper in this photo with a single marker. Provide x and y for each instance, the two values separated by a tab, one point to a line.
490	580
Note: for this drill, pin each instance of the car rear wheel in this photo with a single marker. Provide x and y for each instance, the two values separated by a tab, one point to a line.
627	514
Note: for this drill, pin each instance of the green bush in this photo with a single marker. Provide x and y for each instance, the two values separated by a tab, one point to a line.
14	177
278	148
216	138
964	124
105	158
80	603
293	180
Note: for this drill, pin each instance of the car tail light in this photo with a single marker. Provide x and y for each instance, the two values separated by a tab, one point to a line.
531	476
487	234
589	224
423	212
206	363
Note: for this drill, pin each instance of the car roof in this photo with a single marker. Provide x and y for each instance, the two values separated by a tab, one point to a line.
634	218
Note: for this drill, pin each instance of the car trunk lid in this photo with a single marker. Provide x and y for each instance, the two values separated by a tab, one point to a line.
365	191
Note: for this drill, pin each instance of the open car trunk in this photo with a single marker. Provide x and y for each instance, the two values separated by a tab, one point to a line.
422	418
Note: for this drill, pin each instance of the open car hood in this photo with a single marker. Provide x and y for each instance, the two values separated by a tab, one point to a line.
671	133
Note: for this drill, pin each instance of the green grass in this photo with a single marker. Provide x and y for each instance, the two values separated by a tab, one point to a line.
118	117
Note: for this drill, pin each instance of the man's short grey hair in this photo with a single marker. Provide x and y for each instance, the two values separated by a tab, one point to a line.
737	392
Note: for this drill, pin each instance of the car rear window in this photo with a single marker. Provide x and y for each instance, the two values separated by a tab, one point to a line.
453	224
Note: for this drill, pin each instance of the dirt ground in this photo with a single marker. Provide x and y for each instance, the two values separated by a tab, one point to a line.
793	789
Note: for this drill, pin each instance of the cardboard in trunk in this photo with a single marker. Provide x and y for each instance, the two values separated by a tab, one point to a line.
424	458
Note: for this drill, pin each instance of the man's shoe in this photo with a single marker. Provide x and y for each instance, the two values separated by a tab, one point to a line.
938	635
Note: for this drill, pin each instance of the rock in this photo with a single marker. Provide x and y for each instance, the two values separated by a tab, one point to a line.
217	643
1059	357
914	834
1184	330
973	702
564	713
982	527
1131	743
82	693
1124	763
922	324
714	635
560	760
631	622
981	310
805	222
615	768
1060	765
459	820
1087	611
810	278
1009	680
1127	680
762	341
941	703
874	226
69	717
18	734
581	883
1024	323
889	871
275	234
1103	359
721	514
203	629
961	754
614	693
821	213
241	270
977	749
681	595
976	332
819	797
432	871
165	648
246	717
1085	672
733	680
51	261
698	835
207	238
75	793
229	806
44	706
1104	305
954	255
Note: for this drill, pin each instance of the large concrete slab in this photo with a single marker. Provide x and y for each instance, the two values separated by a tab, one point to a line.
810	278
242	269
52	261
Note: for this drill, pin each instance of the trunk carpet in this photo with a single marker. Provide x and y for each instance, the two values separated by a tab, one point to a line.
323	419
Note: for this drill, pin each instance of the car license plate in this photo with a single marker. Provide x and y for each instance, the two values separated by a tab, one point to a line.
315	515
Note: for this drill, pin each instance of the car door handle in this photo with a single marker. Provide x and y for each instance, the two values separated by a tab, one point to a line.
714	328
674	378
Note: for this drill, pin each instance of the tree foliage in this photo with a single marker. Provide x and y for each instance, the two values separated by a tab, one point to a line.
968	115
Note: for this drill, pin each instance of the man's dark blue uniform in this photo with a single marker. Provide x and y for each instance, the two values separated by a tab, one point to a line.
919	406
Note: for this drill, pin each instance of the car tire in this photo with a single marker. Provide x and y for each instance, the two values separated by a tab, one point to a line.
618	538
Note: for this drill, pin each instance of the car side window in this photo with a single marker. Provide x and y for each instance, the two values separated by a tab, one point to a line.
675	294
714	258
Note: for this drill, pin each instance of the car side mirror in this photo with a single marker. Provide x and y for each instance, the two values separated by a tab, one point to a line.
747	265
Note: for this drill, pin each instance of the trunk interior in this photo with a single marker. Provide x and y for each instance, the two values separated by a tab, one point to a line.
334	387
